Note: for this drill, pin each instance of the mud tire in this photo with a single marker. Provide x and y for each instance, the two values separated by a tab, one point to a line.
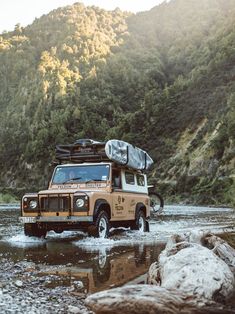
140	222
32	230
101	227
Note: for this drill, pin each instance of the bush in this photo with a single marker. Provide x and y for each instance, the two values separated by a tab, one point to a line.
6	198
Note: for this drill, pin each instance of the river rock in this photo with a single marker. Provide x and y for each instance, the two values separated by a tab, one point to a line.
136	299
221	248
74	309
19	283
192	269
78	285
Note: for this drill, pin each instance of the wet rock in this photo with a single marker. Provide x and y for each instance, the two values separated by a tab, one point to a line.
17	266
78	285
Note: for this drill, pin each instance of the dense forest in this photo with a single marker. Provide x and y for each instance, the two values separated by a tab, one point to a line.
163	80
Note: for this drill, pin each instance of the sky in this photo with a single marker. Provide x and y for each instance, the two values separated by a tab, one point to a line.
25	11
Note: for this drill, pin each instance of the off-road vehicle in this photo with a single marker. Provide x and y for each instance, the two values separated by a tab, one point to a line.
94	187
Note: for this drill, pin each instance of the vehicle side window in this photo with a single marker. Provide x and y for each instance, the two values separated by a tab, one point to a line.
130	178
116	179
140	180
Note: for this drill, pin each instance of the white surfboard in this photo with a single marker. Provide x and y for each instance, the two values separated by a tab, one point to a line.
127	154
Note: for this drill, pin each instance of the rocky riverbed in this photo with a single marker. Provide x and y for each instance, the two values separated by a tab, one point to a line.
23	291
56	274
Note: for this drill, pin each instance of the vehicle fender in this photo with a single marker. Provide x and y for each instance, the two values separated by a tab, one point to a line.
101	203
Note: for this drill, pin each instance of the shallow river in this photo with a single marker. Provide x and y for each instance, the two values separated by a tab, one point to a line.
75	264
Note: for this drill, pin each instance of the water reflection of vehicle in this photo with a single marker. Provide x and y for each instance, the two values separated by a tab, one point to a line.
119	266
97	267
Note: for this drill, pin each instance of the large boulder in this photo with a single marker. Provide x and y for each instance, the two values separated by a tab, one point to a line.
197	264
194	270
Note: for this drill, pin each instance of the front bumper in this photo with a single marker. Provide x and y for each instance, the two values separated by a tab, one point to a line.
69	219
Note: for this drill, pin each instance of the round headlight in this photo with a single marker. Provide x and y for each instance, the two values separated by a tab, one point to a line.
33	204
80	202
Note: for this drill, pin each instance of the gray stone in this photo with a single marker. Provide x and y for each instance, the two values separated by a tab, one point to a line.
19	283
74	309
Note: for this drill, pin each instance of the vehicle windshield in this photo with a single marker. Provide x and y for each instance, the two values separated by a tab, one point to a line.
70	174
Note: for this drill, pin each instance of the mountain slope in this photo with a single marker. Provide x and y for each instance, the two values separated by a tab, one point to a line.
162	79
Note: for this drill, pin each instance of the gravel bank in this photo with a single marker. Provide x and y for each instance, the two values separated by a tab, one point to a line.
24	290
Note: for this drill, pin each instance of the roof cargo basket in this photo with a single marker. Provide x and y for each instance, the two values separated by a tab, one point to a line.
83	150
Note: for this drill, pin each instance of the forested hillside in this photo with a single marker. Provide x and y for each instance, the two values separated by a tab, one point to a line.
163	80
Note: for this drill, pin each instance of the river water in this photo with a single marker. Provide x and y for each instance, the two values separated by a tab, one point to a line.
75	265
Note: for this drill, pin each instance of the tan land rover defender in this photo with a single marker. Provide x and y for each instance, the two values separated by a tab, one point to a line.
91	192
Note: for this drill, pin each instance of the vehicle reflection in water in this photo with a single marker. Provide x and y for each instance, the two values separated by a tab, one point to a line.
96	270
97	267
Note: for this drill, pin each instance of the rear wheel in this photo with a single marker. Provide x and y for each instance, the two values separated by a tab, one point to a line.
32	230
101	227
140	222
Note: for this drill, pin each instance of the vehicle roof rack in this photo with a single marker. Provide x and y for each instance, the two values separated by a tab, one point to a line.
87	150
83	150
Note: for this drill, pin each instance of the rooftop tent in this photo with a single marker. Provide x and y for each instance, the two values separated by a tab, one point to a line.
123	153
126	154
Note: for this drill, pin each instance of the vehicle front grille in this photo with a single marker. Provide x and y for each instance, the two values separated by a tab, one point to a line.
55	203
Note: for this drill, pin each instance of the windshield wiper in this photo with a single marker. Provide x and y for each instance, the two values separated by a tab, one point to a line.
71	180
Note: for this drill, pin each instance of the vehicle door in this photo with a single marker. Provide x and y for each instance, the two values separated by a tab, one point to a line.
118	199
124	202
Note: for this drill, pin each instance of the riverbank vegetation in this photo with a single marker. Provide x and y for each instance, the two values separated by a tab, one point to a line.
6	198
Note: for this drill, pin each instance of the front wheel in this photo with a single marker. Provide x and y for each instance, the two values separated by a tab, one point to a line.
140	222
32	230
101	227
